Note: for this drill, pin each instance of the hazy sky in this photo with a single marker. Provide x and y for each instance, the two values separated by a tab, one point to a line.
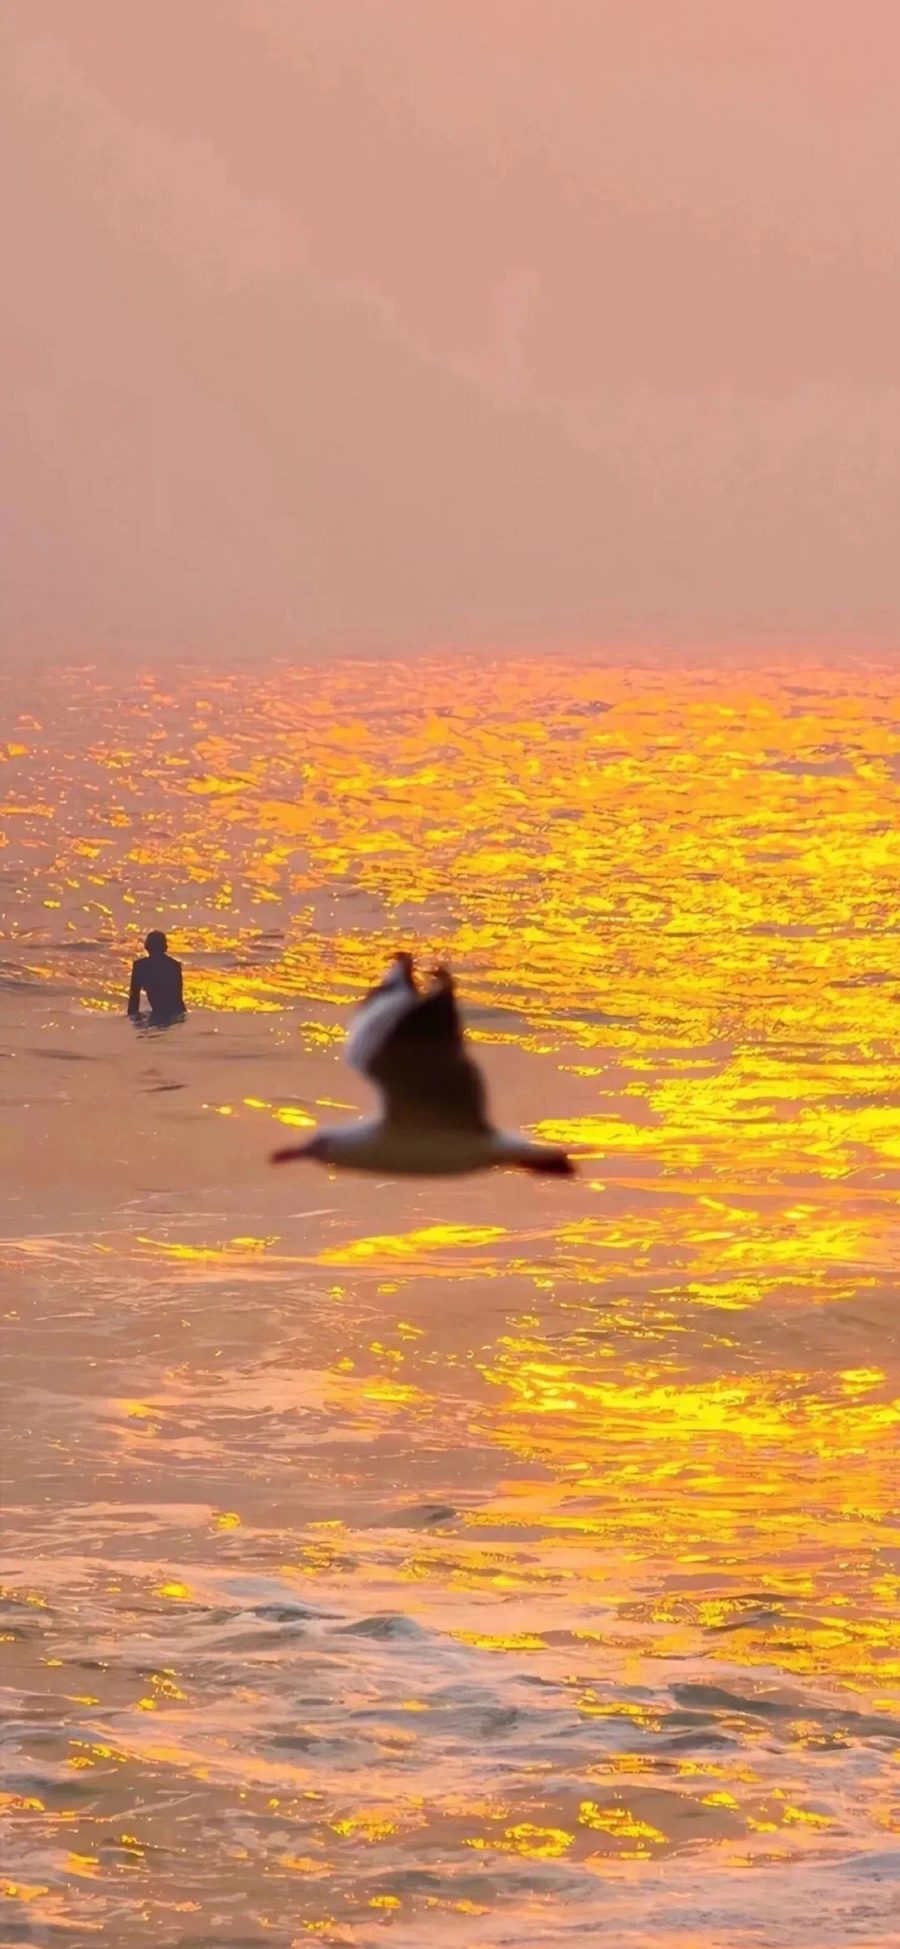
383	322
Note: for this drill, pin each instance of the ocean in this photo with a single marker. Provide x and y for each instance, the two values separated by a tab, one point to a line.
482	1562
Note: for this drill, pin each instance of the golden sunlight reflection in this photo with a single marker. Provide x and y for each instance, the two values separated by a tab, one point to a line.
442	1559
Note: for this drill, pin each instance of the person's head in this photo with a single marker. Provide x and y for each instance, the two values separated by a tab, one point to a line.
156	942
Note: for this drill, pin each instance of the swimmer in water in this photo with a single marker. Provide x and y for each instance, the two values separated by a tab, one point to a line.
159	977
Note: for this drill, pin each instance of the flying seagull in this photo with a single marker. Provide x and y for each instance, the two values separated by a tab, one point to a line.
409	1042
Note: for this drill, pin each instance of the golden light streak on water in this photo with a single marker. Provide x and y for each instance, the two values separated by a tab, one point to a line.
481	1561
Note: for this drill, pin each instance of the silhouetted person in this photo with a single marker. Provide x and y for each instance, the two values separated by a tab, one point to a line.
159	976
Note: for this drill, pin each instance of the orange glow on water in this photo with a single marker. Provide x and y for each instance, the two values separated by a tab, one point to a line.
406	1554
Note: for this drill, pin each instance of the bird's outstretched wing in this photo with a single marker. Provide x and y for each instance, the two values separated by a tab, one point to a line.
380	1010
409	1042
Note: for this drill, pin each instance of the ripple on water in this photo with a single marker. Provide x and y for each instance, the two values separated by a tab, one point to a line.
389	1566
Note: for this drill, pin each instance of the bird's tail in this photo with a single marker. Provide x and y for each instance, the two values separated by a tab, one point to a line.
546	1158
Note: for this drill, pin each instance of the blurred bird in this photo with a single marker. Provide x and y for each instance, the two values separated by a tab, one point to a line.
409	1042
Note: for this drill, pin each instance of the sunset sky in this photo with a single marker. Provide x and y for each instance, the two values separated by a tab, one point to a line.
371	324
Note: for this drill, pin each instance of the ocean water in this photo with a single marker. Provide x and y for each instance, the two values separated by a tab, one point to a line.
488	1562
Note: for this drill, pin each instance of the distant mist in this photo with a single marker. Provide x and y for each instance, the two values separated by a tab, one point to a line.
354	327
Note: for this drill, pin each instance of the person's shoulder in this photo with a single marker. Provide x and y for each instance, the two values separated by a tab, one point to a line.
140	962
